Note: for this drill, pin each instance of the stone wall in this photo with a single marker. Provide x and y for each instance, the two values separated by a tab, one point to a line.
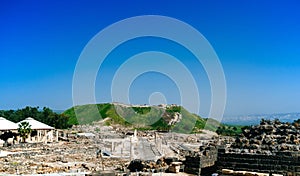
286	163
206	158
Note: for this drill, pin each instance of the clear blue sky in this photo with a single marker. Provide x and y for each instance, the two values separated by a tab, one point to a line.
258	44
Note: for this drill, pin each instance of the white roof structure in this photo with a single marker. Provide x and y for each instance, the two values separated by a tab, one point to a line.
36	125
7	125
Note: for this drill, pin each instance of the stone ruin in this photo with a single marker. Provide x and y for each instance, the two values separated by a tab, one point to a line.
271	147
269	137
204	159
194	162
138	165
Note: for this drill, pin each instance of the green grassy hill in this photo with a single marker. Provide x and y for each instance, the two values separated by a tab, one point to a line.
141	117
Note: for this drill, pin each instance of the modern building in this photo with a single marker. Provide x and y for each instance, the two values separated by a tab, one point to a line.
6	125
44	133
40	131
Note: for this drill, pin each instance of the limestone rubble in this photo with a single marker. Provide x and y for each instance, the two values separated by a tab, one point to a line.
268	138
78	151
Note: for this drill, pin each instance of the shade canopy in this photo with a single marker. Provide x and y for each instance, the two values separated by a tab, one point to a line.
36	125
7	125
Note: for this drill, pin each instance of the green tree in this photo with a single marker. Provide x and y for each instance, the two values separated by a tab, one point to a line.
24	130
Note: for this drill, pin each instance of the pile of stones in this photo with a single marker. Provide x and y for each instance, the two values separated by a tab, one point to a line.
268	137
138	165
69	157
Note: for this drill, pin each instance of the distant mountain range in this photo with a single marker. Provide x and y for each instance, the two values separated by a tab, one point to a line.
255	119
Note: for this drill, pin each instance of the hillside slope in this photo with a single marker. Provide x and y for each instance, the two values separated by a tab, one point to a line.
164	118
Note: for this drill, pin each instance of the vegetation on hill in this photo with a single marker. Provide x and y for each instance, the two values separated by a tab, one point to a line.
229	130
46	115
145	118
86	114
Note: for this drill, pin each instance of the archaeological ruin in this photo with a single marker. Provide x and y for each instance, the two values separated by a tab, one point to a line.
270	148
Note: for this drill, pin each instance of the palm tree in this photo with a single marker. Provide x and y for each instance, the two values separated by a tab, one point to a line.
24	130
